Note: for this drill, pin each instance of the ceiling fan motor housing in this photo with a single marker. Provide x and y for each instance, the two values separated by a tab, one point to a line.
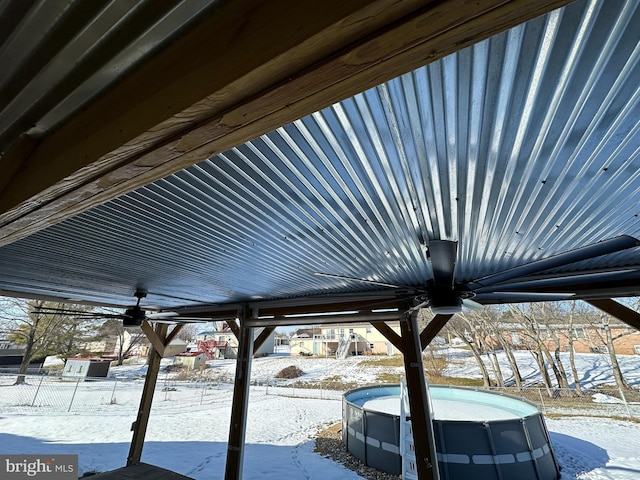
133	317
444	301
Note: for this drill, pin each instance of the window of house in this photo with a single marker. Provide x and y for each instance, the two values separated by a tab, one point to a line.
579	333
545	333
301	344
600	349
368	330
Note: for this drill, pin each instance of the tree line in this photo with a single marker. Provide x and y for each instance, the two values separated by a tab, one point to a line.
546	330
60	334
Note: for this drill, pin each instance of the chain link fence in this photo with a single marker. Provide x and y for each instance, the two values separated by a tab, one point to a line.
43	394
602	401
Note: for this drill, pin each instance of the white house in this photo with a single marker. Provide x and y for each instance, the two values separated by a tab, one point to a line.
343	340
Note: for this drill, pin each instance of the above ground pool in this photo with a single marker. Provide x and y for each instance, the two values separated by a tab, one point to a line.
478	434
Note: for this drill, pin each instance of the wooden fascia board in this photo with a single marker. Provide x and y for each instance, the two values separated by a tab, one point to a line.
238	50
126	140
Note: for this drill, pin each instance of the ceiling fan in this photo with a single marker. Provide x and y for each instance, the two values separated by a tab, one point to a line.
132	316
524	283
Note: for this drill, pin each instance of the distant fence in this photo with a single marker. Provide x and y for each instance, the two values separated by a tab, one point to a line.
600	401
42	394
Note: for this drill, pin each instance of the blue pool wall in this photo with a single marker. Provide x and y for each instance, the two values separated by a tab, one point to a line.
515	448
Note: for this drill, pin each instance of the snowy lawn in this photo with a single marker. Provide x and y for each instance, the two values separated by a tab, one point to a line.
190	438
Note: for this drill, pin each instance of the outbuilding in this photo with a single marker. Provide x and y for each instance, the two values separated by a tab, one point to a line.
190	360
86	367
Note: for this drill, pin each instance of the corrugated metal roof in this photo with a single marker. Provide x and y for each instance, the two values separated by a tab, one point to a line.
57	56
519	147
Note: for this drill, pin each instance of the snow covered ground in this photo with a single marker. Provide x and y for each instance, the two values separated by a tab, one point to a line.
188	433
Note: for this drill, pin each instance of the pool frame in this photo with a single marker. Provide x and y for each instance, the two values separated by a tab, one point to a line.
518	447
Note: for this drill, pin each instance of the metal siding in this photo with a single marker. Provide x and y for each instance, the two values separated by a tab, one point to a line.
519	147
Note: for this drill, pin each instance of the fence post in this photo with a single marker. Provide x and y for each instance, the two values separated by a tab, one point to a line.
542	401
113	393
38	389
204	386
626	404
74	395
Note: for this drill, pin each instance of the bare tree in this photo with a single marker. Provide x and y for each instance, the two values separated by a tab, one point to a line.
462	328
125	340
491	320
41	334
602	323
570	339
538	327
189	332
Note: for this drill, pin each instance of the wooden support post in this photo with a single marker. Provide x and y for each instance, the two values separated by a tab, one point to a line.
240	404
174	333
422	426
260	339
234	328
140	426
432	329
388	333
617	310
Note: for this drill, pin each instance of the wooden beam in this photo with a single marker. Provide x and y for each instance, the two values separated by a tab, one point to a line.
156	342
617	310
432	329
324	319
235	329
240	403
140	426
389	334
260	339
421	425
174	333
211	99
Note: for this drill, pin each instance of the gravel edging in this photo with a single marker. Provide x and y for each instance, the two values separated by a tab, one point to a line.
329	444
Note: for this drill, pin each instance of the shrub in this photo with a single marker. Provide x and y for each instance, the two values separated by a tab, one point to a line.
289	372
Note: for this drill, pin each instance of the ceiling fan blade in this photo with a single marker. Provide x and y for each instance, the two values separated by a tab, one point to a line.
471	304
442	254
354	279
564	283
161	315
75	313
522	297
604	247
176	320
